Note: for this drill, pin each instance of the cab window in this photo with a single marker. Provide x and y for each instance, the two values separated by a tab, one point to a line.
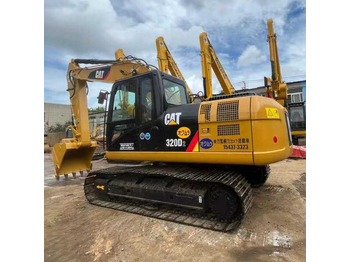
175	94
146	100
297	114
124	102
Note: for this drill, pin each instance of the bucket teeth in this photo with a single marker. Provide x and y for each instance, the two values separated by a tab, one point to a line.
66	177
69	158
74	175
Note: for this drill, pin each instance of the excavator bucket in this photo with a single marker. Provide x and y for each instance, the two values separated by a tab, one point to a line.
68	157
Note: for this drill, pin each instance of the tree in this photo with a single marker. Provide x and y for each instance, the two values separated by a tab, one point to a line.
97	109
59	127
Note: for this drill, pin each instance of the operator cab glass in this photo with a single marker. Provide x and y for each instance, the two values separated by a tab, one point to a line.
175	94
146	100
124	102
297	117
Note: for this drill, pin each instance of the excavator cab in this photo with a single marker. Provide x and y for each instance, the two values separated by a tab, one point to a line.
137	107
297	116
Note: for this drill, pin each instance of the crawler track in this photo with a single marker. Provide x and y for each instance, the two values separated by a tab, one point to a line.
231	179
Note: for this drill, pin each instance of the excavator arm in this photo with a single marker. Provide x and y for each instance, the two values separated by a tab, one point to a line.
74	155
166	62
275	87
211	61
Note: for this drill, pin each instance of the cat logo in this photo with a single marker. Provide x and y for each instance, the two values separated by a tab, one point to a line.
100	187
99	74
172	119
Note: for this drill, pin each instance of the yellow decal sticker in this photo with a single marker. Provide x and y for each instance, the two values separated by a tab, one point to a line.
272	112
100	187
183	132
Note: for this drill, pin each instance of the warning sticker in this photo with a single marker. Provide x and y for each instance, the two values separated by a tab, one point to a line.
272	112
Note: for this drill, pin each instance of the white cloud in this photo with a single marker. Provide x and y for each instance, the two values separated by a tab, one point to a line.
237	29
251	56
195	83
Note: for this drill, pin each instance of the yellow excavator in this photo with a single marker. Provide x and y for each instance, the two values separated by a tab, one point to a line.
201	158
277	89
210	61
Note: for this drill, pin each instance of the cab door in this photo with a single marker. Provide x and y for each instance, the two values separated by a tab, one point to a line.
122	128
150	135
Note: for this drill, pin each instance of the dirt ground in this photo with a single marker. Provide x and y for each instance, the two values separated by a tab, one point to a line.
274	229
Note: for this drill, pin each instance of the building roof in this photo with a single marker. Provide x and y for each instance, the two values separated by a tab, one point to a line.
56	104
293	83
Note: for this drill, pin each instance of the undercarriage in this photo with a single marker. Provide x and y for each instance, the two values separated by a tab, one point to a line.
213	198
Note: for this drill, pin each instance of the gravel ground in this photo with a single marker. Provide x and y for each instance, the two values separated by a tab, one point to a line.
274	229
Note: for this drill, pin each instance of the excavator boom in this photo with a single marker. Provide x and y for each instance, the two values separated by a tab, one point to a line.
211	61
276	88
167	63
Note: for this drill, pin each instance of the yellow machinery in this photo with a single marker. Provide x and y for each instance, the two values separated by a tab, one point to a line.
274	85
210	62
202	158
98	134
166	62
277	89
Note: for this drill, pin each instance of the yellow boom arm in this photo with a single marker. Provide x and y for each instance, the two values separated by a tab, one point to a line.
74	155
211	61
274	85
166	62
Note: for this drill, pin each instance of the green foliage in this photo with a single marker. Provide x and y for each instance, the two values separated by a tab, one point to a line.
59	127
97	109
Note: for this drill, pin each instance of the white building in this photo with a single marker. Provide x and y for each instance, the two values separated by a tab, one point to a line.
56	114
96	119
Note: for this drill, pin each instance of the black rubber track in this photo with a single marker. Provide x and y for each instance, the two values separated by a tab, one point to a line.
256	175
230	179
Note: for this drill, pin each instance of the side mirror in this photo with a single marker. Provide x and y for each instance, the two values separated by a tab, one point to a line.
102	96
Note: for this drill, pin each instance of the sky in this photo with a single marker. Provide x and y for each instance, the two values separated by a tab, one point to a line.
236	28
